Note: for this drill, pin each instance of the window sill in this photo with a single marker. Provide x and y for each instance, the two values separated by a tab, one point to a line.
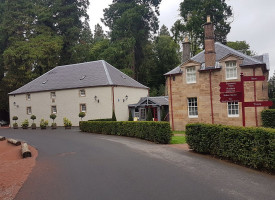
190	82
194	116
231	78
233	116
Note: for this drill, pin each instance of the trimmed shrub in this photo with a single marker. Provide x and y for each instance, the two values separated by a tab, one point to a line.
67	122
158	132
114	116
268	118
81	115
97	120
25	124
253	147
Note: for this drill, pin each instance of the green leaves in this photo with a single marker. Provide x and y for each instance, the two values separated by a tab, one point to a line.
253	147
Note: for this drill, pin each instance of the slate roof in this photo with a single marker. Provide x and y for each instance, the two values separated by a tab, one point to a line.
160	101
88	74
223	51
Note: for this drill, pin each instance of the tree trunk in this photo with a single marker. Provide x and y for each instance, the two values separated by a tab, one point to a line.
25	150
14	142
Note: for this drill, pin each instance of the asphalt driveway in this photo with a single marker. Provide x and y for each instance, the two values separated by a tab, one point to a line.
75	165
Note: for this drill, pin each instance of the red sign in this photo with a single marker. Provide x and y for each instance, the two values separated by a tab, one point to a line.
253	78
257	103
228	97
230	87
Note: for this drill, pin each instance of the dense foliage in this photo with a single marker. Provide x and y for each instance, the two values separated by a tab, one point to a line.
158	132
268	118
194	13
254	147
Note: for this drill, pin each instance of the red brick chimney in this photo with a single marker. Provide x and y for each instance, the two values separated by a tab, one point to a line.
186	50
209	43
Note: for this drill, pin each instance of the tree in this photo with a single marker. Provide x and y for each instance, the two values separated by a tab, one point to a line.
241	46
98	33
133	19
194	13
130	117
164	31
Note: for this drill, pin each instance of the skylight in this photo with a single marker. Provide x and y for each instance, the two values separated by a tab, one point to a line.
44	82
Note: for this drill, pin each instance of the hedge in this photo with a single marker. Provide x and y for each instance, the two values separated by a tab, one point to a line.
268	118
158	132
253	147
95	120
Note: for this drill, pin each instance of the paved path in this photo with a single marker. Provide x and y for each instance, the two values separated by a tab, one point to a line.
72	165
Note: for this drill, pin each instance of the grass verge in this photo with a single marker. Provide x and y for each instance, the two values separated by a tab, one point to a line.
178	140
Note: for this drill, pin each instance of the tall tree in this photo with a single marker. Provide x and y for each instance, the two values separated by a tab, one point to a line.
135	20
194	13
241	46
98	33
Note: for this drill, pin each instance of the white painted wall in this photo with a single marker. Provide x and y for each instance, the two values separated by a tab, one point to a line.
68	104
134	95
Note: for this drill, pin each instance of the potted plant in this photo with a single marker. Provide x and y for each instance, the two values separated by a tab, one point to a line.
43	124
33	117
53	116
25	124
15	125
67	123
81	115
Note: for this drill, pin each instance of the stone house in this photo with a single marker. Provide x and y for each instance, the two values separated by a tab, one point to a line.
96	88
194	91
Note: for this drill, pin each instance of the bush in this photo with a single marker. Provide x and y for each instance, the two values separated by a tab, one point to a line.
268	118
14	118
81	115
96	120
25	124
114	116
149	115
158	132
53	116
33	117
253	147
67	122
43	124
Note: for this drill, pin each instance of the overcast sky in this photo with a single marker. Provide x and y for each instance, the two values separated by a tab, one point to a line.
253	22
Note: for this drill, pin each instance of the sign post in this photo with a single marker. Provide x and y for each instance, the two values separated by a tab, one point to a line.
234	91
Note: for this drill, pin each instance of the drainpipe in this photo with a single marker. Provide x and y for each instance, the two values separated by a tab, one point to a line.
113	94
211	96
256	117
171	99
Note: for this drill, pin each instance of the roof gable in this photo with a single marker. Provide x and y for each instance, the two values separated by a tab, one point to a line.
223	51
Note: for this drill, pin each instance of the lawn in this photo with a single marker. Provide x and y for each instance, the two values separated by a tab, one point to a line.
179	139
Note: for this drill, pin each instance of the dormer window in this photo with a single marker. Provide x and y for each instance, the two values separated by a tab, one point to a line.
191	75
231	70
82	93
28	97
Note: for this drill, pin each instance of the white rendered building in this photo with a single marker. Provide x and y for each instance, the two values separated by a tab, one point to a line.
96	88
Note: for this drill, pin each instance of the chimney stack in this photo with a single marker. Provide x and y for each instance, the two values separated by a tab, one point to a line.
185	50
209	44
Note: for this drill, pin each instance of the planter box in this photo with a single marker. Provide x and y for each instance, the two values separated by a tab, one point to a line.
68	127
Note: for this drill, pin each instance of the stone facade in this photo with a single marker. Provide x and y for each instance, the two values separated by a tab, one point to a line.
179	91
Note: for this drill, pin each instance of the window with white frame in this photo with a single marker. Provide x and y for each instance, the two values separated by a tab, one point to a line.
53	95
233	109
53	109
28	96
231	70
191	75
83	107
29	110
82	93
192	107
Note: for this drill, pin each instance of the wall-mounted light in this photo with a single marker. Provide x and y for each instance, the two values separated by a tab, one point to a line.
96	99
126	97
14	103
